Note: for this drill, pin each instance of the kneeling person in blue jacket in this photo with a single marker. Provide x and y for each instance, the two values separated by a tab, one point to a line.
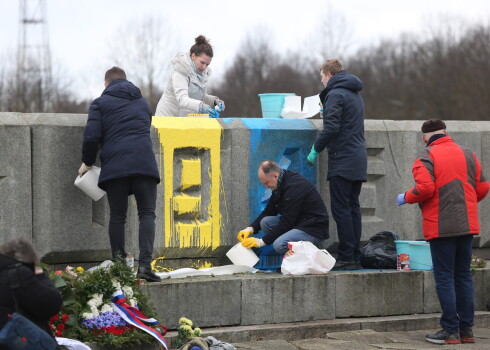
303	216
120	120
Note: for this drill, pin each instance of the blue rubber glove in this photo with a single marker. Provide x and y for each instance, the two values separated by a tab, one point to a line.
212	113
219	105
312	156
401	199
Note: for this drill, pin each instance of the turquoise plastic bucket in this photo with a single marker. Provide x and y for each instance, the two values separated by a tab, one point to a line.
272	104
419	254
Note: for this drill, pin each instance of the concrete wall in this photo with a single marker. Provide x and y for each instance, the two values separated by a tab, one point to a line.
209	189
261	298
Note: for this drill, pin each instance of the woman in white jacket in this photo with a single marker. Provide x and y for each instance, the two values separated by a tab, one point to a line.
186	91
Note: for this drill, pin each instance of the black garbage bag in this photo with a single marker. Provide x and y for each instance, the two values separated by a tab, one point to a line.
380	251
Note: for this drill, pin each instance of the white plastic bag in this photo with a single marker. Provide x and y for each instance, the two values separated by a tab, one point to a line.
306	259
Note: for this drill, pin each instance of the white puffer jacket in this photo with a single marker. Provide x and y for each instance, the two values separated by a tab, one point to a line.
185	91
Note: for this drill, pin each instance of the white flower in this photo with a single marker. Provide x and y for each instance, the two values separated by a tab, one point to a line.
116	284
94	310
87	315
105	308
132	302
128	291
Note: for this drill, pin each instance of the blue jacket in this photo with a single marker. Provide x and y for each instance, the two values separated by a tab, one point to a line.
120	120
343	128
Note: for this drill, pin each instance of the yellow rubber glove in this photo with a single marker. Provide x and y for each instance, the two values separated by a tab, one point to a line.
253	242
250	242
244	233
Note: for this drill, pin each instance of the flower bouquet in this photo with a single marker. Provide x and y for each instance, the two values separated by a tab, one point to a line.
185	332
106	306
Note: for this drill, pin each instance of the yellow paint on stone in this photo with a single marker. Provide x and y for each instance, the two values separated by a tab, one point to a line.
201	133
191	173
187	204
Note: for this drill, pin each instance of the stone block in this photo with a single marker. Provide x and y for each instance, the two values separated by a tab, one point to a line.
15	177
275	299
378	294
235	167
431	300
207	301
67	225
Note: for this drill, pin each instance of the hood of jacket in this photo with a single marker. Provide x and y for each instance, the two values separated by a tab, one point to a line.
342	80
122	88
183	64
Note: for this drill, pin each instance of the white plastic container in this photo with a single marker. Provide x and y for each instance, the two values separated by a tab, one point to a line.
88	183
239	255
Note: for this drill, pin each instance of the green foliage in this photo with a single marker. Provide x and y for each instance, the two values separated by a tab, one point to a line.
78	288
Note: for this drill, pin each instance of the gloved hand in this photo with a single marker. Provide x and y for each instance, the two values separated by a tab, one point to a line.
401	199
252	242
312	156
212	113
245	233
219	105
83	169
204	108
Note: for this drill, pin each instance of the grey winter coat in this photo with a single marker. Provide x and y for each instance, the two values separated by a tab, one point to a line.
185	91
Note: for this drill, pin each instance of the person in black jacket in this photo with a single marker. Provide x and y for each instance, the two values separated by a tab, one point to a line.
120	120
303	216
37	297
343	135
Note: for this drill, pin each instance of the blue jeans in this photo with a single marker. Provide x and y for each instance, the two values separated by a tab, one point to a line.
451	258
346	211
280	245
144	189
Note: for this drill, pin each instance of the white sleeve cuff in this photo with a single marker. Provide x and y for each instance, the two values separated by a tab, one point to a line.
260	242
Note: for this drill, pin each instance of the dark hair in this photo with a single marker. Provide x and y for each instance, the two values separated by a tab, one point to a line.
332	66
269	167
20	249
113	74
201	46
432	125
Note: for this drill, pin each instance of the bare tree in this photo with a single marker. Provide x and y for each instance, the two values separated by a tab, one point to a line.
144	50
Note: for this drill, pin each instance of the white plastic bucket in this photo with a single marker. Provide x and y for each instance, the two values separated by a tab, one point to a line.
88	183
239	255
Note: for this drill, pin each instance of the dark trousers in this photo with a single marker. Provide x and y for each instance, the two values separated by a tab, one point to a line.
144	189
346	211
451	259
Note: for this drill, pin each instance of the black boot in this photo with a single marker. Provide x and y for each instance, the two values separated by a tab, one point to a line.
147	274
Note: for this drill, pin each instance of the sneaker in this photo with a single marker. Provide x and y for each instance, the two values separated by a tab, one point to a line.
443	337
345	265
466	335
147	274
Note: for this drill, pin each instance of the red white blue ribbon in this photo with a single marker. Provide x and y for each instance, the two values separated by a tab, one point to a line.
135	317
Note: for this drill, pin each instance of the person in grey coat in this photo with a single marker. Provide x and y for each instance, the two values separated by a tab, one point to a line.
343	136
186	92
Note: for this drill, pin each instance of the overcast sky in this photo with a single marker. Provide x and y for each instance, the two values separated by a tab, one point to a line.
80	29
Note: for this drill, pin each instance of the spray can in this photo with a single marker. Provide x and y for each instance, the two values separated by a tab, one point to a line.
130	260
403	262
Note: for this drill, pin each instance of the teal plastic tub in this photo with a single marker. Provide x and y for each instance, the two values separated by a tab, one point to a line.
272	104
418	252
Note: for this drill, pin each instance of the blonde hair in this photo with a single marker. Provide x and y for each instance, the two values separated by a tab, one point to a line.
332	66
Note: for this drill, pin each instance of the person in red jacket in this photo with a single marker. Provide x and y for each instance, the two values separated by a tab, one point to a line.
449	185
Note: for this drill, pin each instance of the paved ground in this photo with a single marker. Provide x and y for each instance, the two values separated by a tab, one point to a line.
368	339
404	332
